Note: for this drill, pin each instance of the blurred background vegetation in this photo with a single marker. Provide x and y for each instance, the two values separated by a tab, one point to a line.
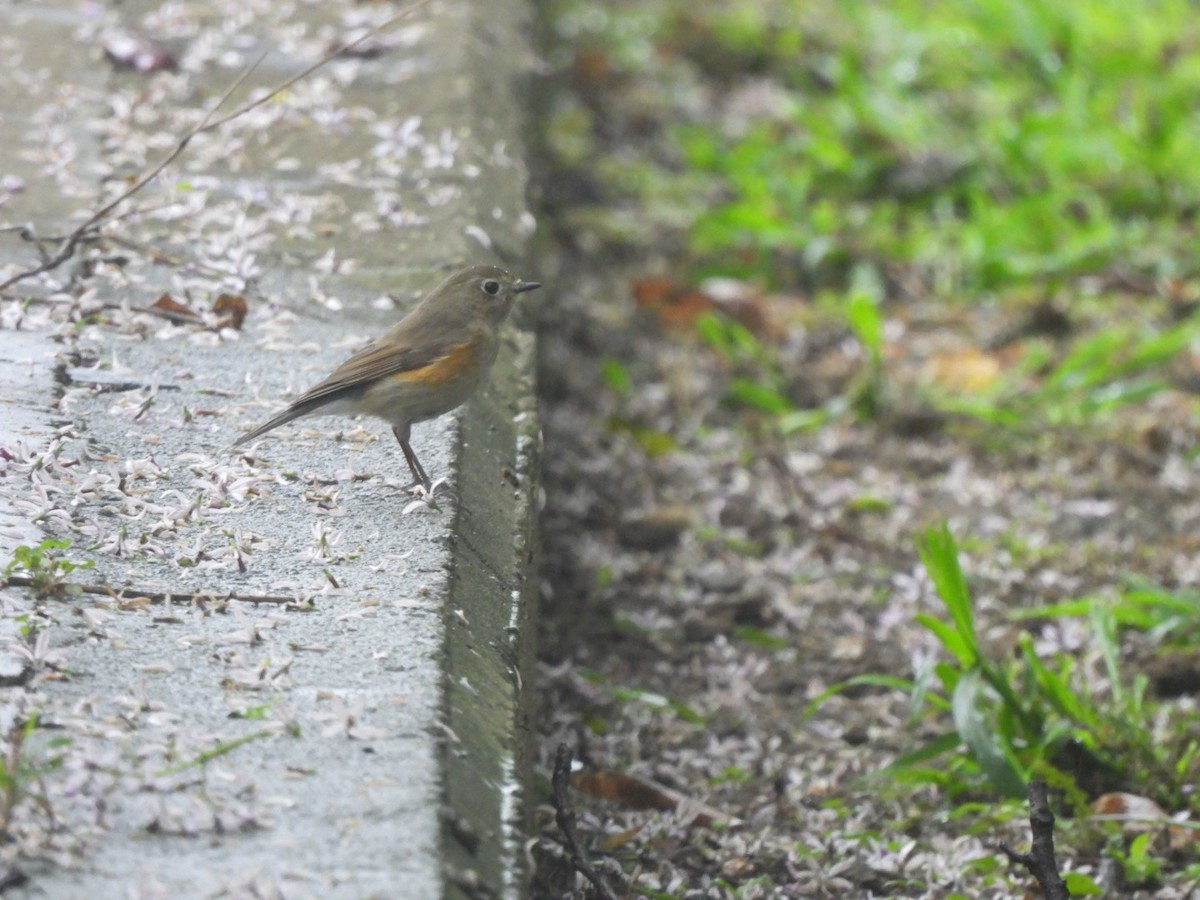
994	202
1032	156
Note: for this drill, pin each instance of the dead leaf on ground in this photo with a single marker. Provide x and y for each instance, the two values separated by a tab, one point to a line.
633	792
655	529
170	308
231	308
678	304
745	303
1139	814
615	842
966	369
593	68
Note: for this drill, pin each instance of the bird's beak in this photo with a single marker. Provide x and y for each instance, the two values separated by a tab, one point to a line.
523	286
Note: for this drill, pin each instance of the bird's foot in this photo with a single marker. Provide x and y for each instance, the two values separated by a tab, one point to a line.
442	486
426	494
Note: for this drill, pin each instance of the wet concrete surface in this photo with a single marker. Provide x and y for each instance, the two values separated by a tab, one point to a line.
282	681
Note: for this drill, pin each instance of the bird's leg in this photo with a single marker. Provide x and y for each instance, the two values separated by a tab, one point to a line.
414	465
420	478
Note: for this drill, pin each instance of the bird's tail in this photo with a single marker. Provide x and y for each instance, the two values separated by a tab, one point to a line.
295	411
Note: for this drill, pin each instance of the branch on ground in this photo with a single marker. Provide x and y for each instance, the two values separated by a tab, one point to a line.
133	597
1040	859
564	816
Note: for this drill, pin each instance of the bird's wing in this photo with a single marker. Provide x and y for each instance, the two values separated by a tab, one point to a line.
373	361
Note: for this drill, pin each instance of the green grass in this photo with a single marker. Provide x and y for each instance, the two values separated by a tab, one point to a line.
985	152
1101	373
43	569
985	143
23	773
1004	720
910	168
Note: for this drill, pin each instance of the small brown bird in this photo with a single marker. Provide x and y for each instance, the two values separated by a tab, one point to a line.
426	364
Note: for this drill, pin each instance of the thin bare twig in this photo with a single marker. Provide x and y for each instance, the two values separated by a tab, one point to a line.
27	233
110	306
564	817
1040	860
331	55
72	241
125	595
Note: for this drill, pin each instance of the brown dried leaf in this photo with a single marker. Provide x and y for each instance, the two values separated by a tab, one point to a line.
655	529
633	792
1143	814
627	790
967	369
170	308
746	304
232	310
1131	806
593	67
615	842
677	305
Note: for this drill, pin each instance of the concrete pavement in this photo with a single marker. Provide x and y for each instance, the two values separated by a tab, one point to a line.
279	682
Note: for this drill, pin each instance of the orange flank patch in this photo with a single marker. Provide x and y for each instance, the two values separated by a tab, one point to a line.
456	362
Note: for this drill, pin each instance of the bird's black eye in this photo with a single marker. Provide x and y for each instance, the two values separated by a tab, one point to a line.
491	287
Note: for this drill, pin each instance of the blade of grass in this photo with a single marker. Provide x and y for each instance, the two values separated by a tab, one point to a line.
940	557
994	757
